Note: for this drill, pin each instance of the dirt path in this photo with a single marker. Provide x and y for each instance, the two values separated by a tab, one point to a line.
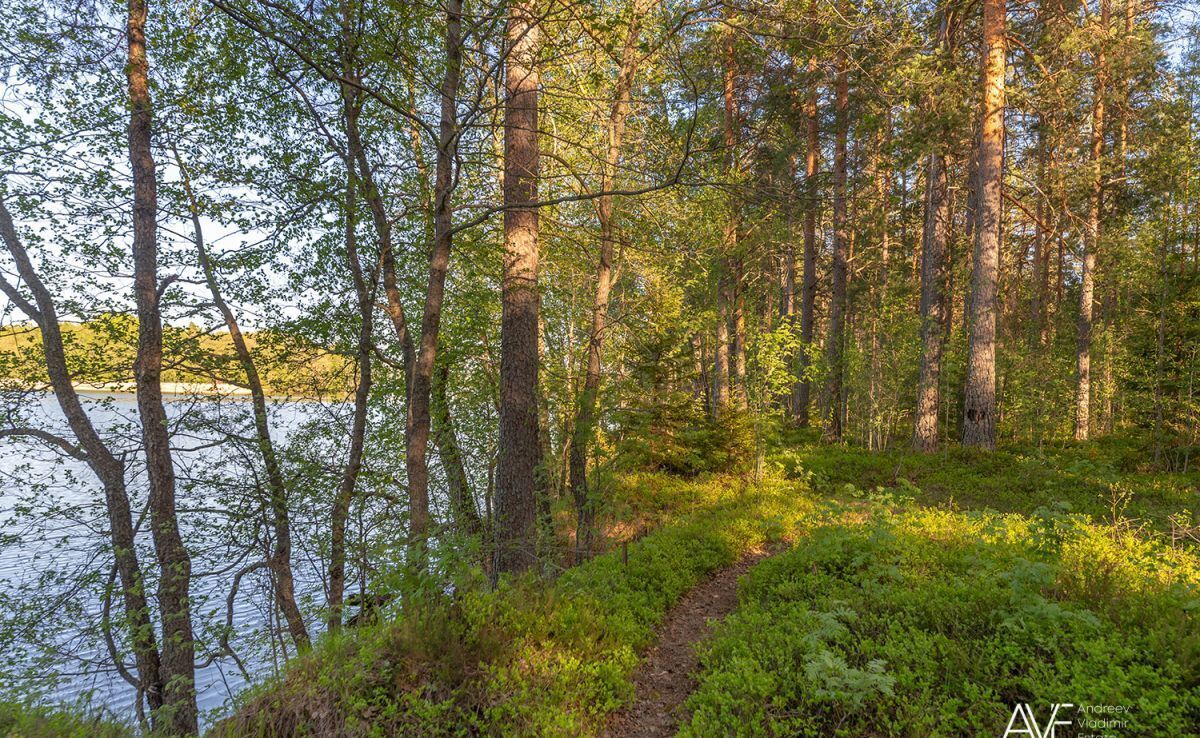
665	678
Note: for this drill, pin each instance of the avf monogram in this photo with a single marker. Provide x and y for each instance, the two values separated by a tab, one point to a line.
1025	722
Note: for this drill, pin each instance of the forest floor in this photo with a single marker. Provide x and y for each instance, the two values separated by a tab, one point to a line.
932	595
844	593
666	676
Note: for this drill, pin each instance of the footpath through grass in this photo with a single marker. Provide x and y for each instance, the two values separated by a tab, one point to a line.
893	618
923	596
531	659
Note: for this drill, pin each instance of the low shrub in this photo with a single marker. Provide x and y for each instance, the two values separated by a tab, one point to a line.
22	720
938	623
531	659
1100	480
684	440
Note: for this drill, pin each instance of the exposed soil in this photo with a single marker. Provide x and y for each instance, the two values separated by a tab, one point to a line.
665	677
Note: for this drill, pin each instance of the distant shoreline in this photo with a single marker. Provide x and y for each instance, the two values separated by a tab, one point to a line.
212	389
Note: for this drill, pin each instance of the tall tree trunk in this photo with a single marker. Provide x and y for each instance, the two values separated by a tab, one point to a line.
700	388
394	307
358	424
418	425
358	164
280	559
516	472
876	424
733	260
808	290
720	383
787	274
787	284
935	241
1041	245
178	661
835	341
583	431
357	178
543	488
1056	24
740	394
979	406
933	302
1126	107
462	501
107	467
1164	276
1091	242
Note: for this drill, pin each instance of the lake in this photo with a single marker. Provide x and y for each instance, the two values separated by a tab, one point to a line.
53	505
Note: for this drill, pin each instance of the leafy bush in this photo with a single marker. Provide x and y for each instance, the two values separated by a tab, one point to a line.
682	439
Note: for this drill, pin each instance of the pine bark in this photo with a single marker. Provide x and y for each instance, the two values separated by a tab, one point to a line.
725	386
740	394
835	342
939	220
979	406
933	302
720	383
1041	245
877	425
808	289
516	471
787	274
735	296
1091	243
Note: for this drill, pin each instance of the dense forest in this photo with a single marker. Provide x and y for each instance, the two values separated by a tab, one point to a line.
374	368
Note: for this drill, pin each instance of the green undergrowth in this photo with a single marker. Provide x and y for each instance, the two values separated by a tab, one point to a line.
934	622
929	595
1107	479
533	658
20	720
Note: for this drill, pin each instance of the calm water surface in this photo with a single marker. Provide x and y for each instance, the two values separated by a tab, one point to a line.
59	544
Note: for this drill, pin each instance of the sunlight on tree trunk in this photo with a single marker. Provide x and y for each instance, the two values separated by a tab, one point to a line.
979	409
519	448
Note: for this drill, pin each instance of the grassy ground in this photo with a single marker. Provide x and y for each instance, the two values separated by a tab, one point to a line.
904	614
924	596
1106	479
531	659
937	623
19	720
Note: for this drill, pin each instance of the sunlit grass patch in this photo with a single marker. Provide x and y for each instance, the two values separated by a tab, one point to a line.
931	622
1106	480
534	658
